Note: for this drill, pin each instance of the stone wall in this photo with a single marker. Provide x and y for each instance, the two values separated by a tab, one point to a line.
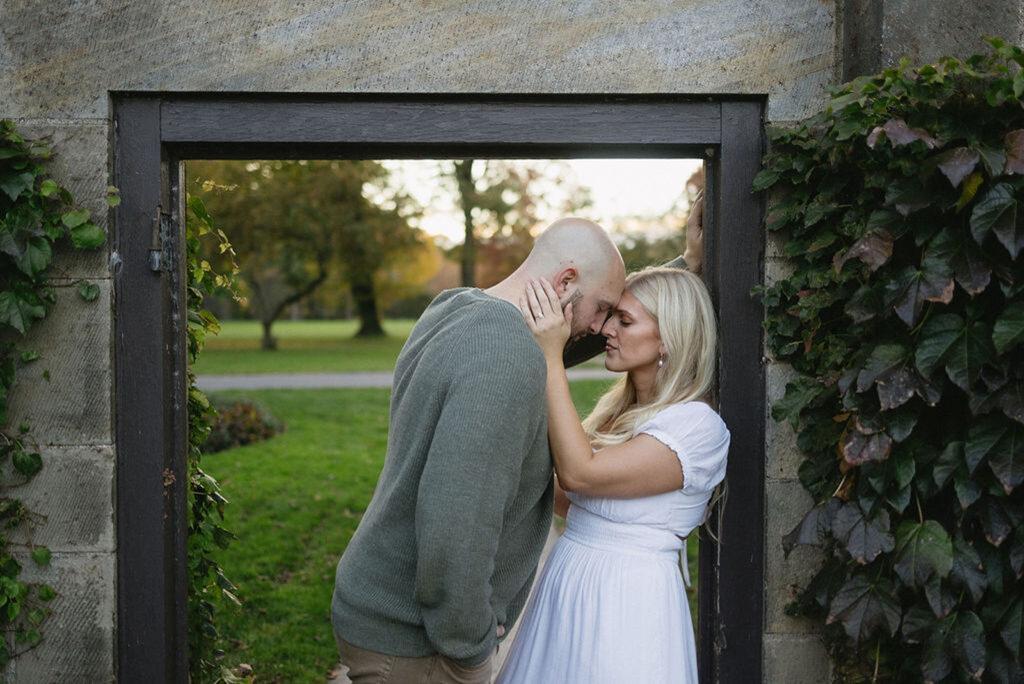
60	61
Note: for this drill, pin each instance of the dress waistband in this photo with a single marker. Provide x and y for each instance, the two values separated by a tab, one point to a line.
590	529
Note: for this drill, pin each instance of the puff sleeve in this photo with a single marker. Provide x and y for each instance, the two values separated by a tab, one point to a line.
699	438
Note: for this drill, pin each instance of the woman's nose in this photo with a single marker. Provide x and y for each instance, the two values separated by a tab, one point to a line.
608	329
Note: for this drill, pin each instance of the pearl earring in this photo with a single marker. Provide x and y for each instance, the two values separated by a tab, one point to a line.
661	362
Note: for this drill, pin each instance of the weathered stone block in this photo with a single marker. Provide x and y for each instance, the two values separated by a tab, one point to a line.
782	457
795	660
80	163
923	32
777	268
73	407
786	502
78	637
61	61
75	492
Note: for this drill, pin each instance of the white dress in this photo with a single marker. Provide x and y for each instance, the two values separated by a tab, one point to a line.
610	605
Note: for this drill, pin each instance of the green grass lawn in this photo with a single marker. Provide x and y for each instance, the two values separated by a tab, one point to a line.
307	347
295	501
303	347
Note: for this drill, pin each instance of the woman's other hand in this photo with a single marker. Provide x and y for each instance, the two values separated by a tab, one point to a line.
544	316
694	254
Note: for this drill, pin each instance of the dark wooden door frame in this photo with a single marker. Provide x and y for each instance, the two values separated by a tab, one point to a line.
154	132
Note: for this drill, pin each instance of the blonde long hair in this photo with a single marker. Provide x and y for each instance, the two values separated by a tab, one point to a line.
681	306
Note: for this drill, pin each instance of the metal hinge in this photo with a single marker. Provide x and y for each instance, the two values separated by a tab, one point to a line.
156	240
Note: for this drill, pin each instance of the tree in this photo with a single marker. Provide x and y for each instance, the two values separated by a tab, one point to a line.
503	202
294	222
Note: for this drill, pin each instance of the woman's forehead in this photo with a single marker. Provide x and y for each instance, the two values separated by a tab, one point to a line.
630	305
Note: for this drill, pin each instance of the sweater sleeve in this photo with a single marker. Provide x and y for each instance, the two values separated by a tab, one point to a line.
491	411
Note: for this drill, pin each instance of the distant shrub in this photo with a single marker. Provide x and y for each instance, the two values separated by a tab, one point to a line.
239	424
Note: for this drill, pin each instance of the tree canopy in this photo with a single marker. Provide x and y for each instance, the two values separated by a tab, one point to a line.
294	223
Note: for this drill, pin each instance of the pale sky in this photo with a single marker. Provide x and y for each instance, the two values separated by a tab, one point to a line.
620	189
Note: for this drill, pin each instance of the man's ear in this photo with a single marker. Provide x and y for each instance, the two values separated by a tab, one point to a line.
564	278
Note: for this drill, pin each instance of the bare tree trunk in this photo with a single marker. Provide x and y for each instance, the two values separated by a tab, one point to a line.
467	194
267	318
269	342
366	304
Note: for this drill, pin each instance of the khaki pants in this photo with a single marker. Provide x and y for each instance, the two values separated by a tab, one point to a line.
370	667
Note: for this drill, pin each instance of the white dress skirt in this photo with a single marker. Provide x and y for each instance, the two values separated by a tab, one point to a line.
610	604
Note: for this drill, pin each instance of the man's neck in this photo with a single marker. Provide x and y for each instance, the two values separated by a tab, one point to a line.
510	289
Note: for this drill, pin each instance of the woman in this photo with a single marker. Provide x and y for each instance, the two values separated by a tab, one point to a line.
610	605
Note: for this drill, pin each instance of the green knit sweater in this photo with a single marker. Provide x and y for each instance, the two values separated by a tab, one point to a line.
449	544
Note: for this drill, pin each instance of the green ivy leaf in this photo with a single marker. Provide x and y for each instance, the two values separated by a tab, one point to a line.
1008	330
864	538
800	393
1017	552
939	597
87	236
922	549
982	438
28	463
864	607
75	218
46	593
36	257
964	349
994	158
1009	625
41	555
971	268
997	212
918	624
1014	141
883	363
88	291
48	187
967	638
957	163
996	525
1001	666
912	287
897	132
859	448
1007	457
948	462
873	248
967	491
814	527
17	312
967	571
16	183
865	304
888	369
764	179
903	468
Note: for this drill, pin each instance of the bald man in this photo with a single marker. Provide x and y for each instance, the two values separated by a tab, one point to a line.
444	556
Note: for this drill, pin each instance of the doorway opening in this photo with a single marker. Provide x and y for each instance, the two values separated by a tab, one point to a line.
154	133
332	254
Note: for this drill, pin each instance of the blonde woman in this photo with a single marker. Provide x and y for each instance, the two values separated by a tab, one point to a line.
636	478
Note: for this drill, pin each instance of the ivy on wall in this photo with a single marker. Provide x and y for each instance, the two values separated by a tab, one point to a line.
36	214
901	208
208	587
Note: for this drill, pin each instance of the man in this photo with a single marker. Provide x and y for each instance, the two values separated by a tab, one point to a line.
443	559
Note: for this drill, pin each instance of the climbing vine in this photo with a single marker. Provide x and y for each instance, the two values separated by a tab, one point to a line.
900	208
208	587
36	214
